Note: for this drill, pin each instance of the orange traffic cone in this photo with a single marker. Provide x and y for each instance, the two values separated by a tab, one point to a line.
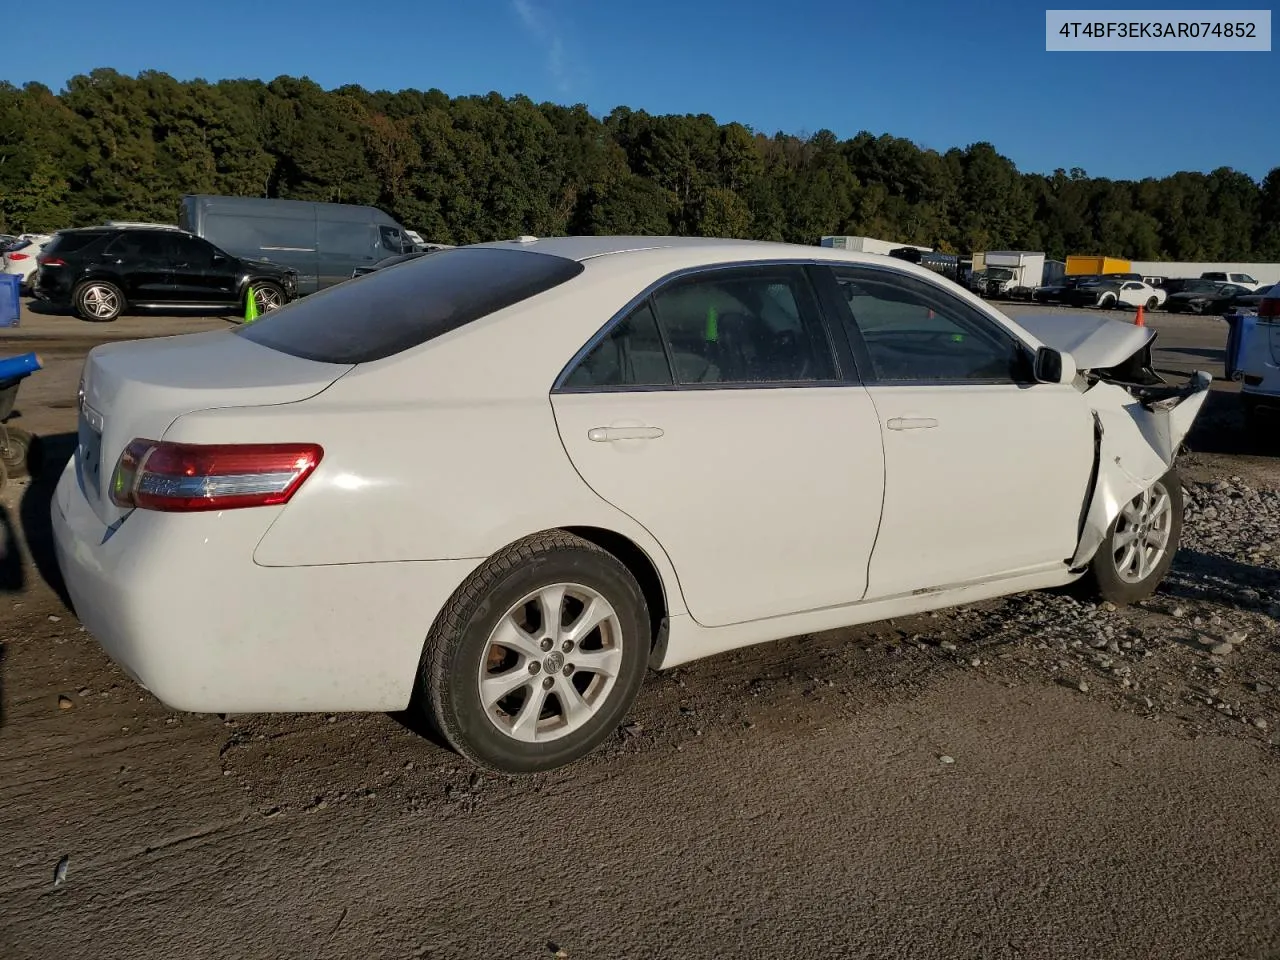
1138	321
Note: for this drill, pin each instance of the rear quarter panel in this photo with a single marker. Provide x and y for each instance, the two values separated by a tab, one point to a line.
448	451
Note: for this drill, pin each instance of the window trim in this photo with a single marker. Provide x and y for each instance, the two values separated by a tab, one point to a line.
863	354
845	374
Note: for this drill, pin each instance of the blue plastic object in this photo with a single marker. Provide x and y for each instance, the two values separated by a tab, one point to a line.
1239	328
10	305
15	368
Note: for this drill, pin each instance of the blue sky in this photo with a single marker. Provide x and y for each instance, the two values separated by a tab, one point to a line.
942	74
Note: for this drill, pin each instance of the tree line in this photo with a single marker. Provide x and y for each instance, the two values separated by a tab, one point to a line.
466	169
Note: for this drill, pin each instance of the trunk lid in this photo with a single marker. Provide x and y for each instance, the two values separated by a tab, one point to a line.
139	388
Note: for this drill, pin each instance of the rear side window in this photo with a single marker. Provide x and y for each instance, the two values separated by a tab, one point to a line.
70	242
389	311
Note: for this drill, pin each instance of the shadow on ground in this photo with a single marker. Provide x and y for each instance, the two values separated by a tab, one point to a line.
33	512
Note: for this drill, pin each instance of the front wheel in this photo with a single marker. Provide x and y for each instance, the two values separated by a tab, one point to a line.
538	656
267	296
98	301
1140	544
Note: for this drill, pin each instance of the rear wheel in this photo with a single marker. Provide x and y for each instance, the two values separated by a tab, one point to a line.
1153	302
98	301
1140	545
1107	303
538	656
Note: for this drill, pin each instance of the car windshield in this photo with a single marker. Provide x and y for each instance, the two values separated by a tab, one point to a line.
1000	273
386	312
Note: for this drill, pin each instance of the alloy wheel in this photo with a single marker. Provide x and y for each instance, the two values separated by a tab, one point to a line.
1142	534
551	662
101	302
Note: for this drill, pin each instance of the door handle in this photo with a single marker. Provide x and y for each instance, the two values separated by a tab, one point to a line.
912	423
610	434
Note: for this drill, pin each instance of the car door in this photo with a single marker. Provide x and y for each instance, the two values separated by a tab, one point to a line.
986	471
142	261
202	274
719	414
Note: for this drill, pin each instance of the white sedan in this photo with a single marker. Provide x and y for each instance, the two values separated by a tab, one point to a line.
496	484
20	260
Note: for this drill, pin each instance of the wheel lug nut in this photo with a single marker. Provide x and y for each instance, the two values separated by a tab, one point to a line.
547	683
546	643
568	669
534	667
567	646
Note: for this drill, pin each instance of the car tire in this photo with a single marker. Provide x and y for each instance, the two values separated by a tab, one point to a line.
505	600
98	301
1152	303
18	454
1123	577
1107	303
269	296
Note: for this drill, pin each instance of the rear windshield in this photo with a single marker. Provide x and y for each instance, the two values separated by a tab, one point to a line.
390	310
70	242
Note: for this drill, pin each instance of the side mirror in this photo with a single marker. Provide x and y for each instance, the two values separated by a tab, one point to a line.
1053	366
219	258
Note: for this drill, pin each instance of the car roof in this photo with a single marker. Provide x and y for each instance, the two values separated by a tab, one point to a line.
692	251
588	248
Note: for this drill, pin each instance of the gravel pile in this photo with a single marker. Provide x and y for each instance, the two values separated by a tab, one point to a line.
1206	647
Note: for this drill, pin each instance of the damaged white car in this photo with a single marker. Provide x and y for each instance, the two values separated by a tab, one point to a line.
496	484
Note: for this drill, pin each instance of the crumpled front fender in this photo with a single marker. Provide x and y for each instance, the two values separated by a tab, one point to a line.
1138	444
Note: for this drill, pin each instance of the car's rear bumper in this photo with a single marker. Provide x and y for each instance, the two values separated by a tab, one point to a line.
177	601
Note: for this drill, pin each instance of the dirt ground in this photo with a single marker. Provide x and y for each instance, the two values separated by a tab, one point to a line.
1031	777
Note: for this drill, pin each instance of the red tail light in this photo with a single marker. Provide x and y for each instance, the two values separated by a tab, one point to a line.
1269	307
51	261
187	477
18	256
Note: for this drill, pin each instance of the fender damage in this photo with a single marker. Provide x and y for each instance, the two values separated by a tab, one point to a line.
1140	420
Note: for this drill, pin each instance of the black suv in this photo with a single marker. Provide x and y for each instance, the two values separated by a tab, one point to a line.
102	271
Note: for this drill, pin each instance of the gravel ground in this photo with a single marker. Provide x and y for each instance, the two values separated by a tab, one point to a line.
1037	776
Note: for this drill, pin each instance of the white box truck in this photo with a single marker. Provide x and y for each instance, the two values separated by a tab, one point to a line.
1012	274
867	245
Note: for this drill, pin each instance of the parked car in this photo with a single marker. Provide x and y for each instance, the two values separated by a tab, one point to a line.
20	258
1057	291
1172	285
100	272
1251	301
323	242
1220	298
646	474
1235	279
1090	293
1259	366
1135	293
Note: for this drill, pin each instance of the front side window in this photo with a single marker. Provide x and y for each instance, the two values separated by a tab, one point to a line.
743	326
916	332
393	241
192	250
